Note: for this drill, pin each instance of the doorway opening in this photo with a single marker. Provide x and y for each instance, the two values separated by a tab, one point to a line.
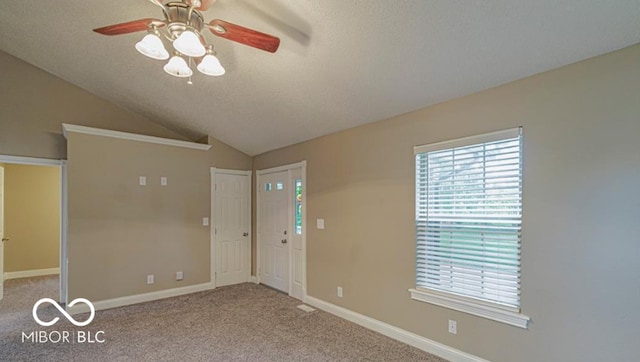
33	222
281	228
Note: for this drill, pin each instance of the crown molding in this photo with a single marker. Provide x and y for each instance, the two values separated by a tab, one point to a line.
67	128
33	161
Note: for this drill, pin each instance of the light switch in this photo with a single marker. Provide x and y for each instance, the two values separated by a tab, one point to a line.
142	180
205	221
163	181
320	223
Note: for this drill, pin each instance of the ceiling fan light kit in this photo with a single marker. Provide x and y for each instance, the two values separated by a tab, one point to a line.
178	67
151	46
182	27
210	65
189	44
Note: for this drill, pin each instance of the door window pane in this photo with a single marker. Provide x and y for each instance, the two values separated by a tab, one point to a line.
298	206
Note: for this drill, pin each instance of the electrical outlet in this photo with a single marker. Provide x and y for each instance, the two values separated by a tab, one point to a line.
205	221
453	327
179	275
150	279
320	224
142	180
163	181
340	292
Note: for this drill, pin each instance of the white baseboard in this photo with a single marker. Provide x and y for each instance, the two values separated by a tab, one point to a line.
396	333
253	279
140	298
31	273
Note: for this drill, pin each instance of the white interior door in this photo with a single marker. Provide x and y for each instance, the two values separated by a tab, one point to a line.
2	239
273	229
232	226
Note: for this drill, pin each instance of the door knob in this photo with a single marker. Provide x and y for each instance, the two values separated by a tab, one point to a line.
5	239
245	234
284	241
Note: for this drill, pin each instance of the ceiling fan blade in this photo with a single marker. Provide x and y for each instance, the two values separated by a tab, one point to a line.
244	35
129	27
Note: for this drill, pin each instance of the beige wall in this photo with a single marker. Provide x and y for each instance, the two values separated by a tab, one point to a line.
119	232
32	217
581	236
34	104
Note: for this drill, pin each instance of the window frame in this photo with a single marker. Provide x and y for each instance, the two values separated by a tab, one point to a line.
482	308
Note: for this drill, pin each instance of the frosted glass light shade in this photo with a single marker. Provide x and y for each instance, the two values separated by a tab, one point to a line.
189	44
178	67
152	46
210	65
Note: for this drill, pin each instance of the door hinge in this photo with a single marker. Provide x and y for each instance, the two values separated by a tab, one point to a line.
215	231
215	187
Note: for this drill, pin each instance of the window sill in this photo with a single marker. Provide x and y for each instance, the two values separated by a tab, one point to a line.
477	309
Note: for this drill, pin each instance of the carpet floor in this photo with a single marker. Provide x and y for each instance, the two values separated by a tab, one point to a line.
244	322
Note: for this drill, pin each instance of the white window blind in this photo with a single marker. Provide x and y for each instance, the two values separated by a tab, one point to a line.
468	217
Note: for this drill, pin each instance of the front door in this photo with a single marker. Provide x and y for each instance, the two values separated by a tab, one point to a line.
232	223
273	193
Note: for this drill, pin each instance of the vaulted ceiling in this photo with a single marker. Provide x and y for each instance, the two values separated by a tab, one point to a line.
341	63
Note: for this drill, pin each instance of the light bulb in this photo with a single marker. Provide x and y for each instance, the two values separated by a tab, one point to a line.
152	46
189	44
210	65
178	67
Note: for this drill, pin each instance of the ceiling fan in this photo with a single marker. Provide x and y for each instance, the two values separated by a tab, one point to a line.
182	26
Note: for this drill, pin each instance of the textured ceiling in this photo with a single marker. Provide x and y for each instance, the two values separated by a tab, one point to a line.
341	63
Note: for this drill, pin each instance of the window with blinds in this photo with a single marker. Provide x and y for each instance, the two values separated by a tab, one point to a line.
468	217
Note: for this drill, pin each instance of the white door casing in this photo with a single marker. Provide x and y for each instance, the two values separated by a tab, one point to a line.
273	256
64	261
231	226
1	232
